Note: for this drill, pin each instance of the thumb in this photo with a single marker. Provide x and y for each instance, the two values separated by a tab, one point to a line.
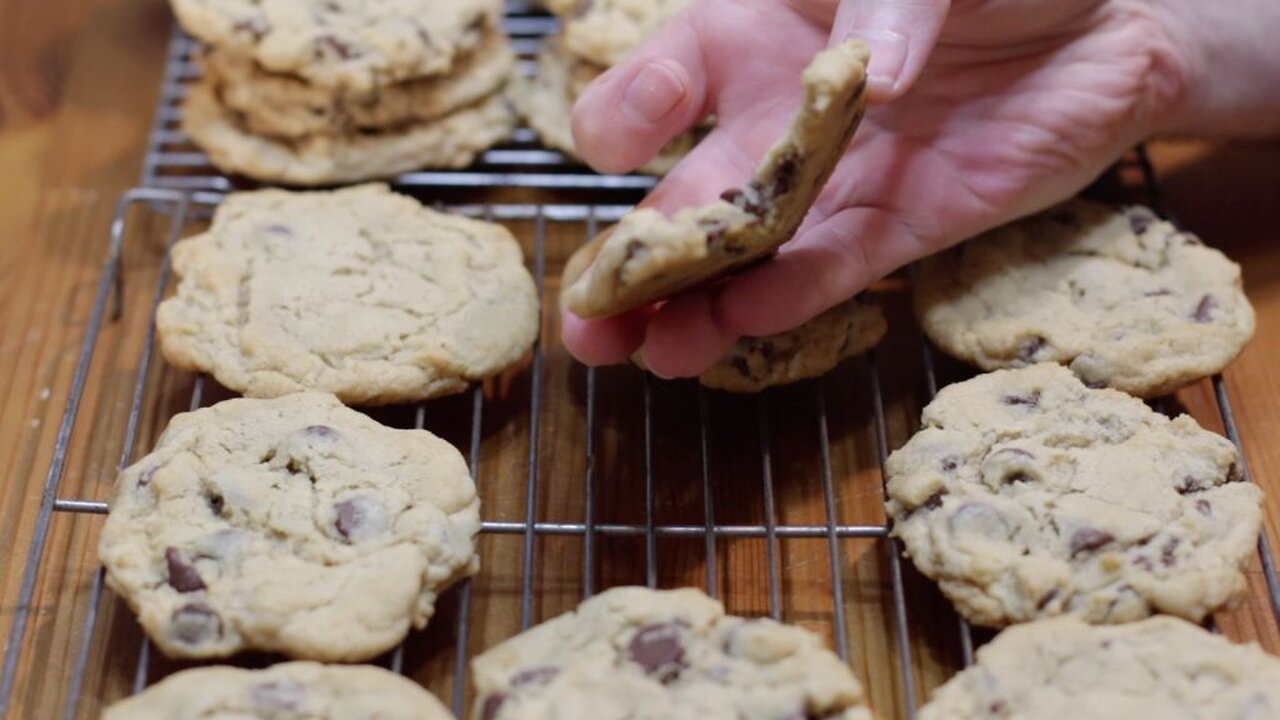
901	34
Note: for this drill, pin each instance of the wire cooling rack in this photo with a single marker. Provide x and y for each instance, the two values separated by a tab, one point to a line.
589	478
172	161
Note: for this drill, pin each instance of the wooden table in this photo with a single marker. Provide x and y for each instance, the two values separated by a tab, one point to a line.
78	79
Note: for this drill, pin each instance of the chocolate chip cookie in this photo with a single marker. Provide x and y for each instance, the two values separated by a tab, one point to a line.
293	525
1157	668
546	102
360	292
280	105
813	349
604	31
1027	494
344	44
450	141
648	257
288	690
1122	297
647	654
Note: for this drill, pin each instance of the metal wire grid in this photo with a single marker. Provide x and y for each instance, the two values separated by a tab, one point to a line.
172	161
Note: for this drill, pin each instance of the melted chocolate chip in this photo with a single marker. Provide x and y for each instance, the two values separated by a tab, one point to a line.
948	464
1205	507
1189	485
540	675
934	501
634	248
748	199
1031	399
785	175
1047	598
349	517
1204	309
659	650
1140	219
183	576
195	623
216	503
491	705
1168	553
1029	348
277	695
1088	540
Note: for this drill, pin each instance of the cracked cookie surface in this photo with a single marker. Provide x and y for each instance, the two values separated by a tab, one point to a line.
450	141
281	105
1161	667
1122	297
1027	494
360	292
646	654
286	690
344	44
291	525
647	257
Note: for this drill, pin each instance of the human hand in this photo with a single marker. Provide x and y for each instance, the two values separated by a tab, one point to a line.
1020	103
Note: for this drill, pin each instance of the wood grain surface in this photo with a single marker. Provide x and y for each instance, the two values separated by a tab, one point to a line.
78	80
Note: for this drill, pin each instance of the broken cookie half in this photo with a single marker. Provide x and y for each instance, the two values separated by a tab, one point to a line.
647	257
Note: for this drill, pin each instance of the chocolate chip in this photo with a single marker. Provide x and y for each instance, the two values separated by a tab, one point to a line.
1204	309
1047	598
360	517
195	623
1205	507
491	705
1095	384
715	230
934	501
216	503
183	576
1234	474
949	464
634	248
1168	553
349	517
321	431
739	363
1143	563
144	477
336	46
1189	485
1140	219
1088	540
1031	399
784	176
540	675
748	199
1029	348
659	650
277	695
1017	477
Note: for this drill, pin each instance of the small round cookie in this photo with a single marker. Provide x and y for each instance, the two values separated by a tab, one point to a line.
813	349
292	525
1026	494
1122	297
344	44
288	690
648	256
451	141
281	105
604	31
546	103
360	292
644	654
1161	667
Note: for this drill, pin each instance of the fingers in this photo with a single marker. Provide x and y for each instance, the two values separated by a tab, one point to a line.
603	342
901	34
625	117
830	262
684	337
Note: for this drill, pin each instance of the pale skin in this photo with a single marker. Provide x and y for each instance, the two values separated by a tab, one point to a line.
985	110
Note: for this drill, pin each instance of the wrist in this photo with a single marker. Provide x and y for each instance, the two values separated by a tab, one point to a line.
1221	74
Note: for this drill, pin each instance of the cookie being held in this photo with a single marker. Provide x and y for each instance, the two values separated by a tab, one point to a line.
1026	494
361	292
291	525
1161	667
648	257
602	32
646	654
293	690
1123	298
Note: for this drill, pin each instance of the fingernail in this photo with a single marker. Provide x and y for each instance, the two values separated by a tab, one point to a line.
654	92
888	57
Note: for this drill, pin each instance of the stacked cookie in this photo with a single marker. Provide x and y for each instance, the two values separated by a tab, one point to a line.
596	35
312	93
